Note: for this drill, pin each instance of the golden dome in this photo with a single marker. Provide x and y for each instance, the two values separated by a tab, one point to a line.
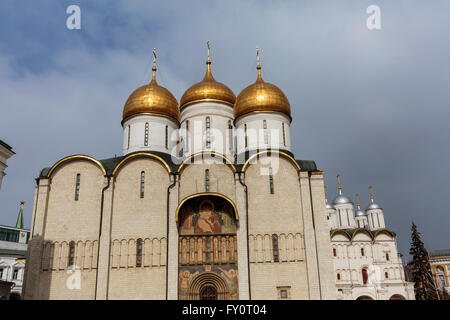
208	90
152	99
261	96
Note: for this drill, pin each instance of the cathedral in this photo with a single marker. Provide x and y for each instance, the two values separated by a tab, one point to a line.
207	202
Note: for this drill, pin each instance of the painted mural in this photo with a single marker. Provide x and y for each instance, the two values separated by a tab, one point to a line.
207	217
207	248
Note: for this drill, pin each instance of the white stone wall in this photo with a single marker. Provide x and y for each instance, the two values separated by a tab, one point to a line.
259	137
193	128
134	129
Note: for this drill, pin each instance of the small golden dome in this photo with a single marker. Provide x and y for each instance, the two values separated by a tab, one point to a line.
152	99
208	90
261	96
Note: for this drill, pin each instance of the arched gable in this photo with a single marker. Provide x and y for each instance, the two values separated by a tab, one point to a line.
75	157
341	232
140	155
358	234
257	155
387	232
206	155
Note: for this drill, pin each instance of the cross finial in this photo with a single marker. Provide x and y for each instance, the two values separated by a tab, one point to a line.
371	193
357	200
258	65
339	183
154	64
209	50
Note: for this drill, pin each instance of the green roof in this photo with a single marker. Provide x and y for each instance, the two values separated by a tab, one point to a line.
440	253
7	146
110	163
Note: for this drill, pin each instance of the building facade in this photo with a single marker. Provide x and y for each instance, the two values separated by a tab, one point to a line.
440	267
13	250
207	202
5	153
367	265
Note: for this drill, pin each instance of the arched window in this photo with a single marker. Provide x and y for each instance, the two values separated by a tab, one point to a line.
338	276
207	180
146	134
139	253
245	134
142	183
386	275
334	252
77	187
266	136
71	258
364	275
271	180
284	135
387	256
362	252
275	248
208	132
208	292
167	137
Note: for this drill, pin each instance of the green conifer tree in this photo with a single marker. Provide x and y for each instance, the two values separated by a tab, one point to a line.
424	285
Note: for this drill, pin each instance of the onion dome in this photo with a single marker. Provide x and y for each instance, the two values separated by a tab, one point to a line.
358	212
372	205
327	205
341	199
208	90
152	99
261	96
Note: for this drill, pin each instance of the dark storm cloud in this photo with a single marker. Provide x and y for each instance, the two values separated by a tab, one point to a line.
371	105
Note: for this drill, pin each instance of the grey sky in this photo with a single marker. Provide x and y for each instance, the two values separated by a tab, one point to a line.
371	105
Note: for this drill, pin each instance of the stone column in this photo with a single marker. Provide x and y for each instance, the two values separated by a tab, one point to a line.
103	267
323	242
310	241
172	243
242	242
36	242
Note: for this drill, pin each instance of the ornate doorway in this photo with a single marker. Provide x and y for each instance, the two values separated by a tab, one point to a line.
207	249
208	292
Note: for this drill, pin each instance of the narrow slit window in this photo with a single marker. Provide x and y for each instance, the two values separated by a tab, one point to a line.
386	275
362	252
139	253
365	276
338	276
207	180
71	258
271	181
266	137
245	138
187	136
275	248
284	135
77	187
129	134
334	252
230	135
387	256
167	137
142	184
146	135
208	132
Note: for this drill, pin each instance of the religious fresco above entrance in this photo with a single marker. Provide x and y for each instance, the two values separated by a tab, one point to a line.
207	250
